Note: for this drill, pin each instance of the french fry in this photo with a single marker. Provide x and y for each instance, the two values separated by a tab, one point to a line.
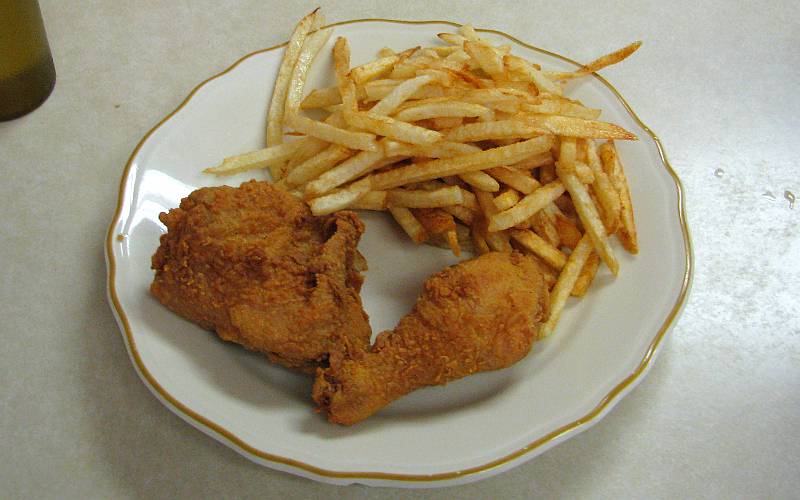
561	107
409	223
351	168
498	240
500	129
535	161
461	213
468	32
565	283
373	200
452	38
568	152
586	276
589	217
529	72
438	222
378	92
316	165
394	129
441	149
481	181
569	126
341	199
374	69
599	63
604	190
444	109
613	167
583	172
399	94
514	178
281	88
311	47
528	206
322	98
444	51
341	66
506	199
478	240
261	158
500	156
487	58
311	146
539	246
335	135
446	122
446	196
544	225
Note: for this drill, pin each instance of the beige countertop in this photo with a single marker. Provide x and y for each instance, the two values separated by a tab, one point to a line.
716	417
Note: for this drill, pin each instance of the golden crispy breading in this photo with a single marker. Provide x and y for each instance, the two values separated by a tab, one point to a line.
482	314
253	264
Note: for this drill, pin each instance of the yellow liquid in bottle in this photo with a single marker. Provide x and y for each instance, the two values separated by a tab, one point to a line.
27	74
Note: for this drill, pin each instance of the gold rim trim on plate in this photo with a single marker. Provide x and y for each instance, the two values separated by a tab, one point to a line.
242	446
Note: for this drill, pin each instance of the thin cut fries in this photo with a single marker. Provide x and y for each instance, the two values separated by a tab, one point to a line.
341	65
444	197
528	71
311	47
437	222
589	217
569	126
514	178
504	155
290	56
394	129
565	283
586	276
316	165
409	223
540	247
374	69
604	190
502	129
335	135
348	170
526	207
373	200
340	199
481	181
444	109
463	143
497	241
599	63
506	200
613	167
400	94
256	159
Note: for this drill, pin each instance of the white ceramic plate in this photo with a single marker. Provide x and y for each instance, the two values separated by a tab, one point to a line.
468	430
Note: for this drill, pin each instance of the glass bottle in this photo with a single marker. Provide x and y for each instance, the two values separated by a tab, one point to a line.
27	74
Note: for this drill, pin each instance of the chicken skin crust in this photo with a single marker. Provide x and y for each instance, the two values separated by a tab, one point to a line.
253	264
481	314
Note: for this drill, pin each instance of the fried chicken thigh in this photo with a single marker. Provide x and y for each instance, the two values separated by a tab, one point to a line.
253	264
482	314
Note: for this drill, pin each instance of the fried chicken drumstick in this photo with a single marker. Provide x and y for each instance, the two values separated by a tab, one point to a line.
482	314
253	264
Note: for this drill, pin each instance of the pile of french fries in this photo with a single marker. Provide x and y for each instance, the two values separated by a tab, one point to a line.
462	143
